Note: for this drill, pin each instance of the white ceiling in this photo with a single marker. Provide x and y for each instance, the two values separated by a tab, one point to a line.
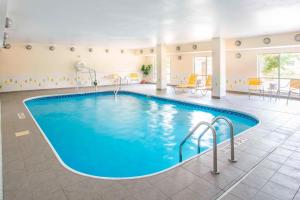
143	23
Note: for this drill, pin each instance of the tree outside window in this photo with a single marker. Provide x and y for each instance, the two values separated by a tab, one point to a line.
280	68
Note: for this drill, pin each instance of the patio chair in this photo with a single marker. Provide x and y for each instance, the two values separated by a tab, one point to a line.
255	85
190	84
207	86
133	77
294	88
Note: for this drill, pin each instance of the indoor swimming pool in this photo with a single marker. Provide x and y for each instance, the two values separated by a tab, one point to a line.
131	135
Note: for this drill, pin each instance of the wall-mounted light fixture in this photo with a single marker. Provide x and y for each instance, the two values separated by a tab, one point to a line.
91	50
194	46
51	48
28	47
72	49
238	43
141	51
106	50
151	50
238	55
267	40
297	37
178	48
122	51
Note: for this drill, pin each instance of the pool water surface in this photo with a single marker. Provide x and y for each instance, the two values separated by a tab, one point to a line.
132	135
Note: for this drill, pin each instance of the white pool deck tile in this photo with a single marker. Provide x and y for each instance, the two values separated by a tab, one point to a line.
271	151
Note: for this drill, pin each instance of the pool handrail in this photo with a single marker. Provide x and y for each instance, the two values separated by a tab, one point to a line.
118	85
230	124
209	126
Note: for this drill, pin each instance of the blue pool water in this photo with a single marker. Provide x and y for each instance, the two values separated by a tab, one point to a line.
133	135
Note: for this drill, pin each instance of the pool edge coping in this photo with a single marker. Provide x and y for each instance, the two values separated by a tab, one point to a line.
143	176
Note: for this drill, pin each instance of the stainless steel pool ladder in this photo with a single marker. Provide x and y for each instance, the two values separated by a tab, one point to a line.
213	130
118	85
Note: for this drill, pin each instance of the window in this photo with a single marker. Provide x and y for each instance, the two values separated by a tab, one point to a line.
269	65
202	67
279	68
168	69
290	65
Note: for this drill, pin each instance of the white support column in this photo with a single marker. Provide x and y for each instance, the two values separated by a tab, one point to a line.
218	68
161	83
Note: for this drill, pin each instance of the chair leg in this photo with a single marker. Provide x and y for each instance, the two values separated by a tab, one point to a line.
203	92
288	97
277	94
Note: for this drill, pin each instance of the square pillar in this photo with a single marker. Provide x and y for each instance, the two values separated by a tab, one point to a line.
218	68
161	83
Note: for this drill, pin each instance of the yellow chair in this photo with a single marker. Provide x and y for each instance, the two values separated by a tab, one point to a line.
255	85
134	77
191	83
294	88
207	86
208	82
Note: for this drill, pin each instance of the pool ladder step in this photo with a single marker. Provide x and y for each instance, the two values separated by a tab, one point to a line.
209	126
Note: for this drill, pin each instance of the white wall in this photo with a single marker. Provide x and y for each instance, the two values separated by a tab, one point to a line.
40	68
238	70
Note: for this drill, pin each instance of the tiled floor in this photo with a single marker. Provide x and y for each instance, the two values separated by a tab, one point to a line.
270	152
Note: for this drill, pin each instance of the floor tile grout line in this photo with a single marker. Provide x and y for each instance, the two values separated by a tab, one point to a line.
275	111
63	190
280	163
170	197
245	176
268	109
296	193
257	165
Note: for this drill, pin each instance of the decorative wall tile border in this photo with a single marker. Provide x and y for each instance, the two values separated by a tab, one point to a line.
176	102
